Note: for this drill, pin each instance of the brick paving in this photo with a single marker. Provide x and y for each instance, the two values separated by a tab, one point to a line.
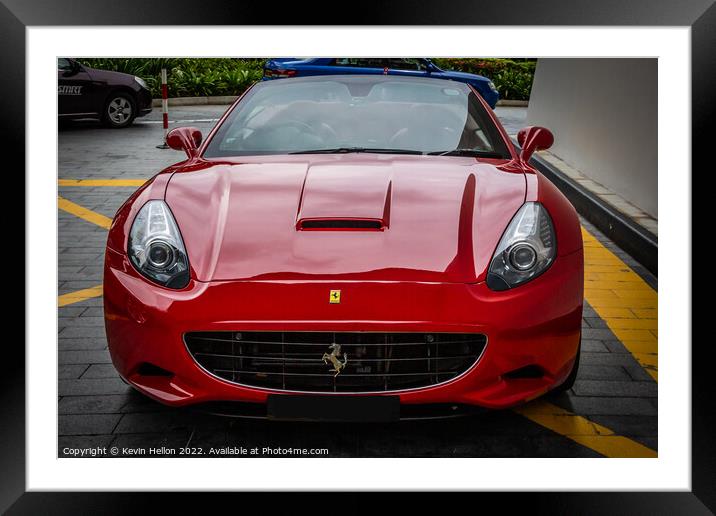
97	409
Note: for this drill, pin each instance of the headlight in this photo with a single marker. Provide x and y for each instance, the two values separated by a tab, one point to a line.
156	248
141	82
492	86
526	250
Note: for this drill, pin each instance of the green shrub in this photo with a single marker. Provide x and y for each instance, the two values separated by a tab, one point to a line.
198	77
188	77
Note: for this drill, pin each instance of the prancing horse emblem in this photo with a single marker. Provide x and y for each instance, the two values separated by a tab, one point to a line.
334	357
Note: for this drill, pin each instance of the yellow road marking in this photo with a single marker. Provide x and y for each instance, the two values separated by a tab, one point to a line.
634	323
646	313
79	295
623	300
583	431
617	313
101	182
83	213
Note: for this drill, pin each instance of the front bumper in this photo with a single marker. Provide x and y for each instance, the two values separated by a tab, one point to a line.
537	324
144	102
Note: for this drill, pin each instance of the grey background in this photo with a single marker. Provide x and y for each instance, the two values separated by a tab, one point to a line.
604	112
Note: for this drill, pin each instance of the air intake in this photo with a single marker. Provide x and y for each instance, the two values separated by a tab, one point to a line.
340	225
147	369
530	371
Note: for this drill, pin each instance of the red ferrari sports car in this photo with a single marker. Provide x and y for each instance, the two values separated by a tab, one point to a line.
347	247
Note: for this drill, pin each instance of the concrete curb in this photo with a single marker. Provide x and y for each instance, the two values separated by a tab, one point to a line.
513	103
197	101
229	99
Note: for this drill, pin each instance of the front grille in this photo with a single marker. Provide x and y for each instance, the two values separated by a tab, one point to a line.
376	362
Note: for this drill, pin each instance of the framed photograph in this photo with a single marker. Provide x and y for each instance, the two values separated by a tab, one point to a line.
260	273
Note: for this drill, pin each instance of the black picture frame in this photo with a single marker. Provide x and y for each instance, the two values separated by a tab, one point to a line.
17	15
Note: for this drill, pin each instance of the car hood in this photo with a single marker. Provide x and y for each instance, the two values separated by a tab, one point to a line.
110	76
285	60
440	218
462	76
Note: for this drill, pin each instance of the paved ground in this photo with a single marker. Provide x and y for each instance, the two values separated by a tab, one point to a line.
611	411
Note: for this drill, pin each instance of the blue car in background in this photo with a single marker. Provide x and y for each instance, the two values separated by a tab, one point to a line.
284	67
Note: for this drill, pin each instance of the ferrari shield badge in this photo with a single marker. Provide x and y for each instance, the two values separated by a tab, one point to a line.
334	297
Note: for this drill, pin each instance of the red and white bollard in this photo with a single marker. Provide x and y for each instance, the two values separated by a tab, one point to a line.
165	109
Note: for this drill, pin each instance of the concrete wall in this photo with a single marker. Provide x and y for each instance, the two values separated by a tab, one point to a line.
603	113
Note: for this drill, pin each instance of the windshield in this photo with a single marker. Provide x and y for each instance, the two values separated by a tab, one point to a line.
358	114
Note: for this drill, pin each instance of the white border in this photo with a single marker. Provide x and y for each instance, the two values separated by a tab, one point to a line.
670	471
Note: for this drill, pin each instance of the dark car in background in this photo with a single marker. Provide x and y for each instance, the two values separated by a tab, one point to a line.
114	98
284	67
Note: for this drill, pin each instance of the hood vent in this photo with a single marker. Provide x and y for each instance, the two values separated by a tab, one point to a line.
353	197
339	224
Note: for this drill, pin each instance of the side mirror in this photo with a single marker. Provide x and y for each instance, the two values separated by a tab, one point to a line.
187	139
534	138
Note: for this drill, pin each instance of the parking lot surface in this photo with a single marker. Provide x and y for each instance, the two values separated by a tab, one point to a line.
611	411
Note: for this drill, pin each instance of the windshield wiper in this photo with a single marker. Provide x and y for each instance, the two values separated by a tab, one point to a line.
467	152
347	150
